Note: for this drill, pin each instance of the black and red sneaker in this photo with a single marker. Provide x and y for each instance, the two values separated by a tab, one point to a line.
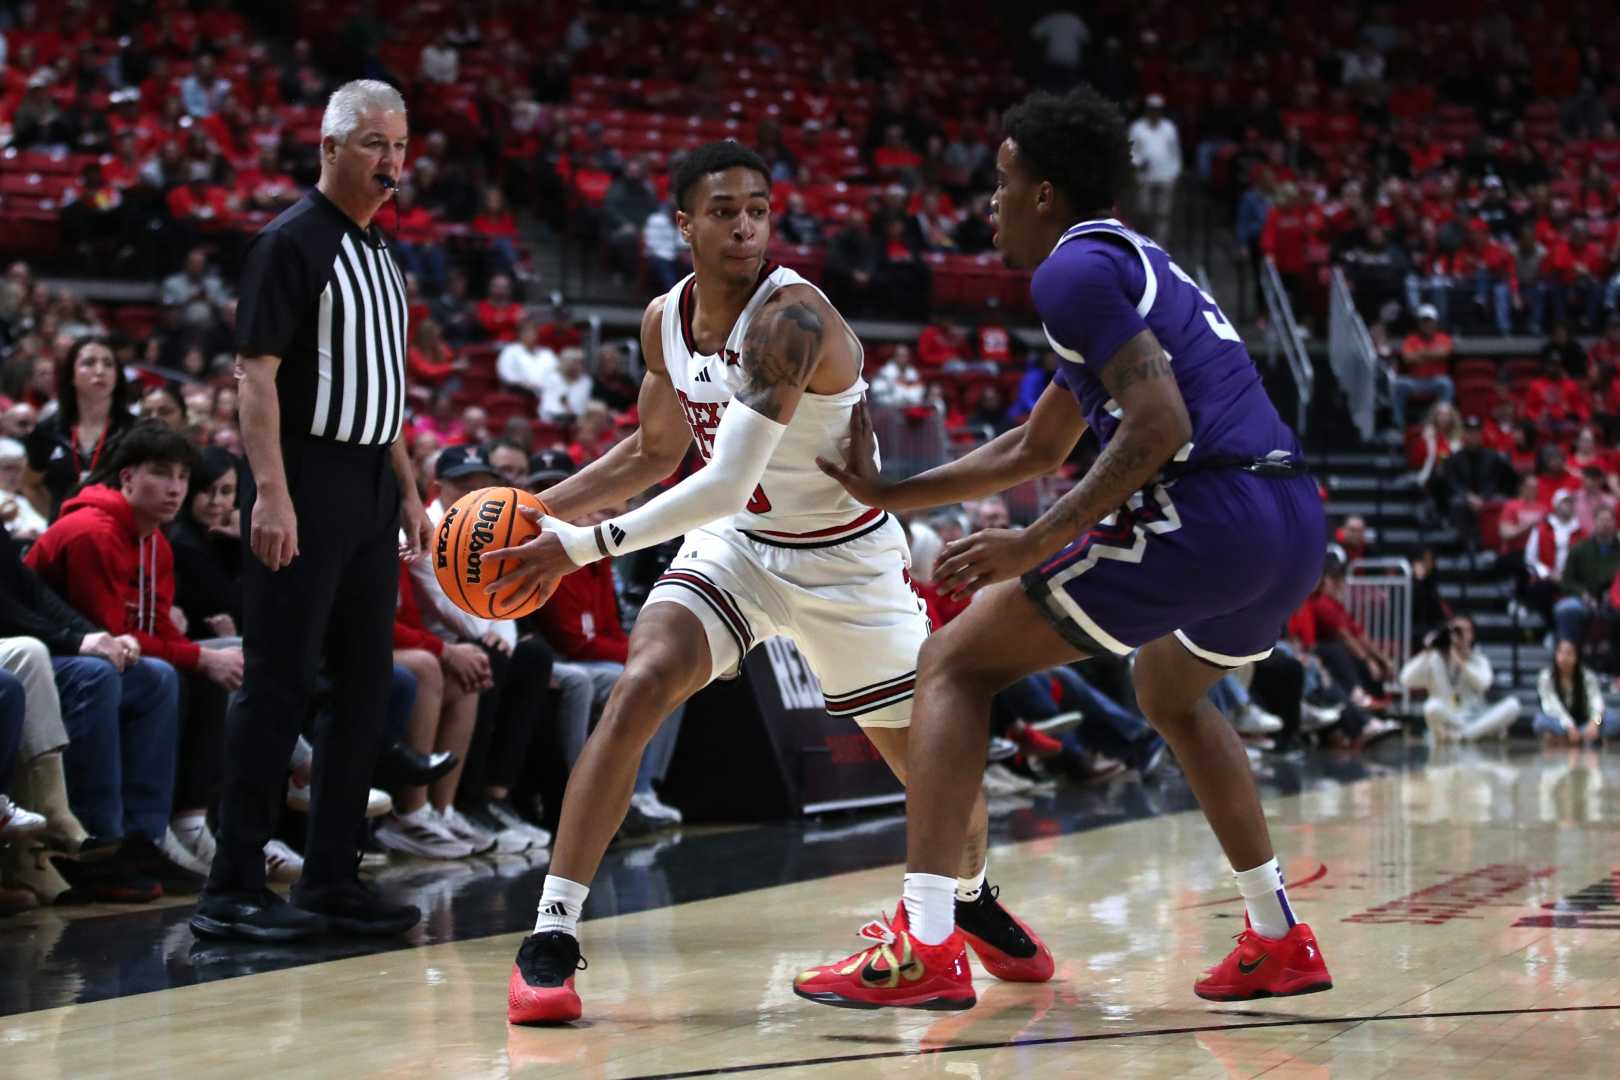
541	988
1004	944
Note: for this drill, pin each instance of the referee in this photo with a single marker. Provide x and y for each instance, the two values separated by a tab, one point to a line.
320	329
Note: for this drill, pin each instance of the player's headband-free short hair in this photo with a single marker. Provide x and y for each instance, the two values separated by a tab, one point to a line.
1078	142
712	158
353	99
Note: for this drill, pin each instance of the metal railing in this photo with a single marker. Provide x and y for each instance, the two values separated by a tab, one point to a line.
1282	333
909	443
1354	359
1378	595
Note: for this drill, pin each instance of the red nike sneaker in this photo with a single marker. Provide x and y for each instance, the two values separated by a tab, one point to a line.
541	989
1262	967
895	971
1004	944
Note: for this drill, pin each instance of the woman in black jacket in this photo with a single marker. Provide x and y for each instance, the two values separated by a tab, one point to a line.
207	542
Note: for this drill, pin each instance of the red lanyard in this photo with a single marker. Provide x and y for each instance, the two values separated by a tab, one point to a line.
95	455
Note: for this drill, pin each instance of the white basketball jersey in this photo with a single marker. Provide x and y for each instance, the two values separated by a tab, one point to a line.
796	504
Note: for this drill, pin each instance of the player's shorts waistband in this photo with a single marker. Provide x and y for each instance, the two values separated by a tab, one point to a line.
870	521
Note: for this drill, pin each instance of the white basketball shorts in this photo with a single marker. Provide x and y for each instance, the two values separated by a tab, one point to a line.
848	605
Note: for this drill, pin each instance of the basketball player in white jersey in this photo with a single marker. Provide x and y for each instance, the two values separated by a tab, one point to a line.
752	362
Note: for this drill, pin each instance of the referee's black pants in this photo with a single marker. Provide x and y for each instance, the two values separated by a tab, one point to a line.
335	602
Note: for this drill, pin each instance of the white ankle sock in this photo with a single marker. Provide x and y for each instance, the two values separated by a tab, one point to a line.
188	828
560	903
969	888
1266	899
930	901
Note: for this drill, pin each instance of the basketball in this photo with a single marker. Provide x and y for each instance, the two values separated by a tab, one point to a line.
486	518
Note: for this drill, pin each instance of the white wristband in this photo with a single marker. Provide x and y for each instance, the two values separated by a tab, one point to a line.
580	543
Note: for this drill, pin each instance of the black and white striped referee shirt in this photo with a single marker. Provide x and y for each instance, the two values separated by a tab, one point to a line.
327	298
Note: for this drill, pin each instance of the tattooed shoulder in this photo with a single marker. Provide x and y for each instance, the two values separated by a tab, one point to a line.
779	355
1139	360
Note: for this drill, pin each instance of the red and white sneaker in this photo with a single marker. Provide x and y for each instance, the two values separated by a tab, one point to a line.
1003	942
1263	967
894	971
541	989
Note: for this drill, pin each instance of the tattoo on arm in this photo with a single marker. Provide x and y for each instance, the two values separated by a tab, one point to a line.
1132	457
779	354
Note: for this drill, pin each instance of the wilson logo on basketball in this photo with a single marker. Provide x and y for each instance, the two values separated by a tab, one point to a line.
483	536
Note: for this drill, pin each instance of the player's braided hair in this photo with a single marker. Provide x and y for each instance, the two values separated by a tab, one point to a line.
1078	142
712	158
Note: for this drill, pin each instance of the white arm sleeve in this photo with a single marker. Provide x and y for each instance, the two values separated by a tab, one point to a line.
743	444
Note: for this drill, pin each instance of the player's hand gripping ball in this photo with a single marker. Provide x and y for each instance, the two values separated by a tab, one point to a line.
480	521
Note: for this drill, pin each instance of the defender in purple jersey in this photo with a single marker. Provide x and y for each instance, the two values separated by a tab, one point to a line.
1190	541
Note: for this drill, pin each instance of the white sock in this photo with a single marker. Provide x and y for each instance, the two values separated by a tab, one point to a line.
1266	899
422	815
930	901
969	888
189	827
560	903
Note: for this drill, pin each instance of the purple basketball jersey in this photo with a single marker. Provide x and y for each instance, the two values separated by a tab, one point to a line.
1102	285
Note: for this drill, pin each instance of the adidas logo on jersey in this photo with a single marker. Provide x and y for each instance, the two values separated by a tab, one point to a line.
703	376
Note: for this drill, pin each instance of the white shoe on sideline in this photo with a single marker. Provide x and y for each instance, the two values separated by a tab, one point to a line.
650	805
1318	717
1256	721
281	863
1000	780
503	812
482	841
421	832
378	803
16	822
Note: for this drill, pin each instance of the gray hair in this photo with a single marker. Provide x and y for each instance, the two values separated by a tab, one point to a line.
349	101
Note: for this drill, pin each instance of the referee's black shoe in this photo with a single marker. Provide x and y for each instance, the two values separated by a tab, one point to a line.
351	906
253	916
401	766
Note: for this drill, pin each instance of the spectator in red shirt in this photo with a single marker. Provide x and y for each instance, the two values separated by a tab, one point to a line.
1425	365
431	360
1352	538
417	240
1575	270
1554	402
995	343
1494	273
1341	643
1520	515
895	156
943	346
1293	226
495	224
199	202
1603	358
265	186
499	314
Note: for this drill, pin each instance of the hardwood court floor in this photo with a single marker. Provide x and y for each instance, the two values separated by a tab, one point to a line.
1468	910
